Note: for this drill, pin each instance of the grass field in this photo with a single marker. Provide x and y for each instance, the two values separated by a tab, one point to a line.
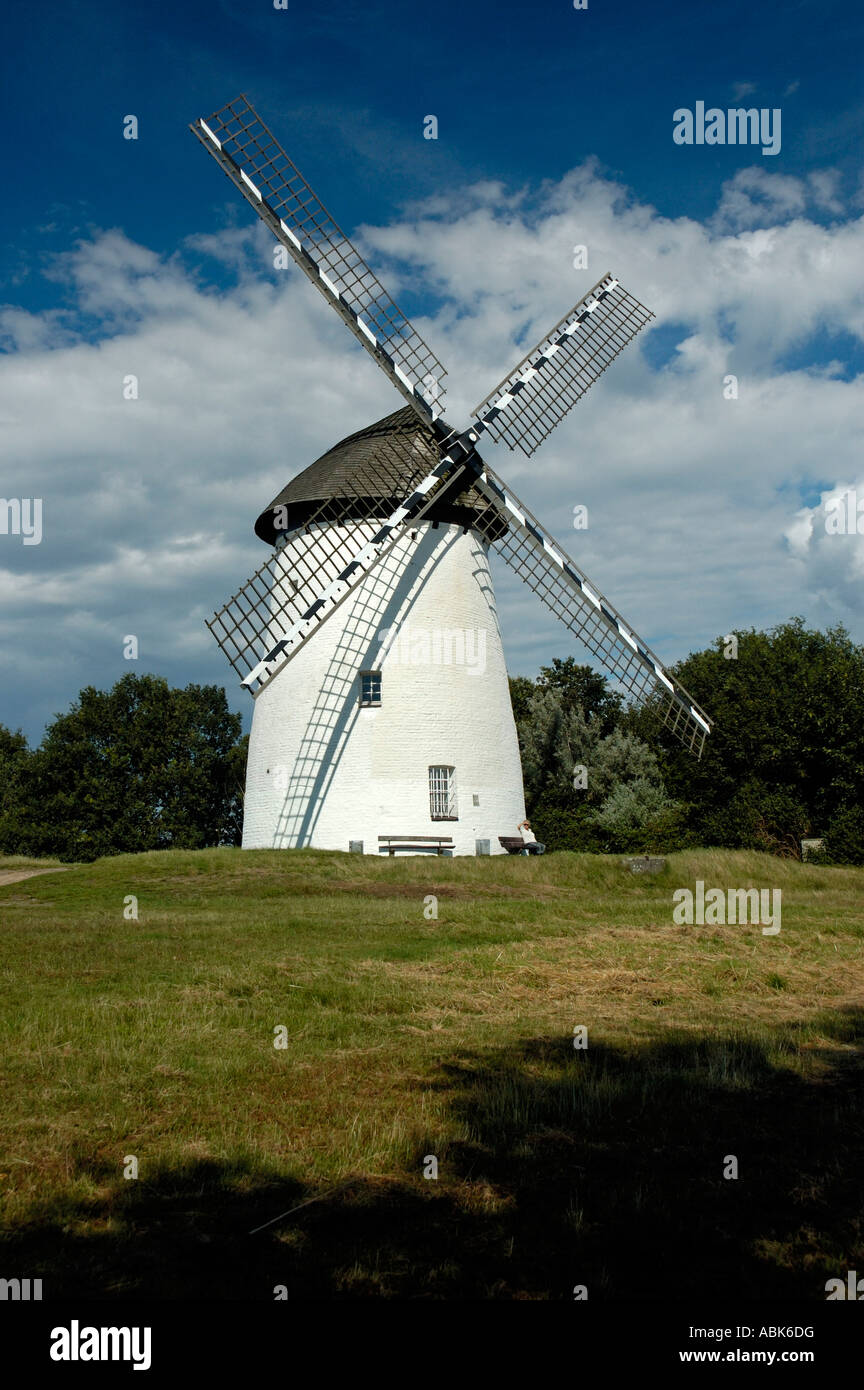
408	1036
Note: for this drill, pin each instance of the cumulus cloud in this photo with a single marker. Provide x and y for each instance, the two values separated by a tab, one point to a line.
757	198
696	522
827	541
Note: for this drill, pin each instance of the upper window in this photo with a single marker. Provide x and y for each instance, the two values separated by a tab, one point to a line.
370	687
442	793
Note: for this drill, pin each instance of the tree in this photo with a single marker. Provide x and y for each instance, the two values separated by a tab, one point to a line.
521	690
139	767
617	759
581	687
844	838
556	740
785	759
553	740
788	734
14	754
631	813
236	790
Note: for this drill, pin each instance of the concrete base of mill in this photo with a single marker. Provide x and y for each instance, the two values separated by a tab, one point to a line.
327	771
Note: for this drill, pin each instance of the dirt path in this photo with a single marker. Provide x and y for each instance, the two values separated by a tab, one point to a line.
15	875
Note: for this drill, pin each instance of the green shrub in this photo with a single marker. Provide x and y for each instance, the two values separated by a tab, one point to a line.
760	818
844	838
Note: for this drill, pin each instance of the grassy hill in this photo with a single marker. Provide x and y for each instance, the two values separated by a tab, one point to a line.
408	1037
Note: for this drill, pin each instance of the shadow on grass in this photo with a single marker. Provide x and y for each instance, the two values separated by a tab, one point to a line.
601	1167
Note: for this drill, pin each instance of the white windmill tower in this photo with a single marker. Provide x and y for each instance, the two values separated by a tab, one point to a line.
370	638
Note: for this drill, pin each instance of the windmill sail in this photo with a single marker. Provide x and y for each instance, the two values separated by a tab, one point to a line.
567	592
259	636
256	164
525	407
275	613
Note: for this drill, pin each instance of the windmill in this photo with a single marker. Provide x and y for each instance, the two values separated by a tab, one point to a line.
369	638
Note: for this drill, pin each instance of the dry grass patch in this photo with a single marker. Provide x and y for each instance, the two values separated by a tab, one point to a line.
408	1037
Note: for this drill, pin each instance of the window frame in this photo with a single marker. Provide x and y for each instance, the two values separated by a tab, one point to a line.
373	675
438	787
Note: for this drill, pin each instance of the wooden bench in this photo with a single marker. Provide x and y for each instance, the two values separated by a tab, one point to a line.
514	844
415	843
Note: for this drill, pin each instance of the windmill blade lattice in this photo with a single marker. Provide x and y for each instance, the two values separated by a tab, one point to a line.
557	580
256	164
259	633
525	407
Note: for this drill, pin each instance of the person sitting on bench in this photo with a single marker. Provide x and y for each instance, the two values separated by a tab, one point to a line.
528	840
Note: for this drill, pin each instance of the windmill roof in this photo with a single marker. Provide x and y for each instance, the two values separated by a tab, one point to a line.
368	474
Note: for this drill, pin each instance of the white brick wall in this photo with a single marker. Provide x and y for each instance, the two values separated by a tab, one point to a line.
323	771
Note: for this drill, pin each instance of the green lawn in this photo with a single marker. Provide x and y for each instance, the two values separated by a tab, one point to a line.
409	1037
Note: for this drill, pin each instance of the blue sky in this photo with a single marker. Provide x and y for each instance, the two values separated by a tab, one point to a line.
555	127
522	92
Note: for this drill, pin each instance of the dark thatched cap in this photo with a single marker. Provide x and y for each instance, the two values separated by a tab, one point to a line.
369	474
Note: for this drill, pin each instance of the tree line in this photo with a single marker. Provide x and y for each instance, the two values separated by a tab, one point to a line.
784	761
145	766
139	767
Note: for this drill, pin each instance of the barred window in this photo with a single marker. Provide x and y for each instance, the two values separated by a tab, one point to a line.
442	793
370	687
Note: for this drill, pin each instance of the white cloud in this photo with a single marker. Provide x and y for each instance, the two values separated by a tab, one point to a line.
826	542
696	523
757	198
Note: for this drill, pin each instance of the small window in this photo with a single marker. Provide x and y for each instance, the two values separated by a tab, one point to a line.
370	687
442	793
